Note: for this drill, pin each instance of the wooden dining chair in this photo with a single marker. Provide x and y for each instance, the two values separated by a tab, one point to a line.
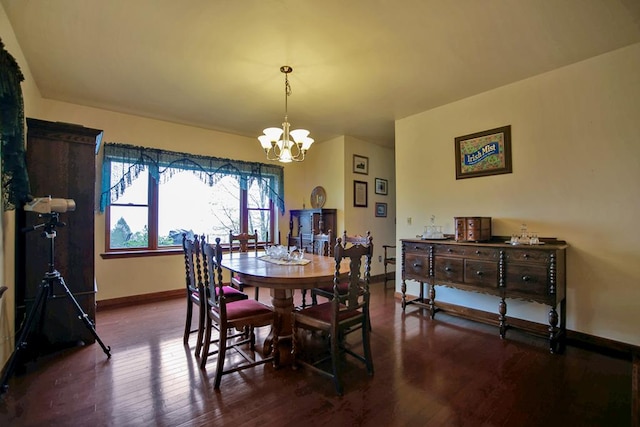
193	293
294	240
224	315
320	245
389	259
231	293
192	248
327	291
344	314
245	243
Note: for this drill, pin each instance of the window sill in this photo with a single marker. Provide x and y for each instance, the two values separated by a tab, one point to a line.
141	253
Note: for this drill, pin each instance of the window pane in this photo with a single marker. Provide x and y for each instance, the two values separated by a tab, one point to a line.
257	195
258	204
260	220
185	203
137	191
129	228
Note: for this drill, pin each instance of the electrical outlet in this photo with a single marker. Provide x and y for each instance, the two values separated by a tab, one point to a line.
409	221
379	258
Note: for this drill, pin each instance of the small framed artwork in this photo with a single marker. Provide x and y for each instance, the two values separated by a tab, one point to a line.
483	153
360	194
360	164
381	210
382	186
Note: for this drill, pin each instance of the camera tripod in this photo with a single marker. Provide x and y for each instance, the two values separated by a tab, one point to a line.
51	278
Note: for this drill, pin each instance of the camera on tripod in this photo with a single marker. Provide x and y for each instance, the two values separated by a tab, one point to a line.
50	209
47	205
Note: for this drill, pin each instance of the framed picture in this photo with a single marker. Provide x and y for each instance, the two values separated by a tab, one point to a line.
360	164
483	153
382	186
360	194
381	209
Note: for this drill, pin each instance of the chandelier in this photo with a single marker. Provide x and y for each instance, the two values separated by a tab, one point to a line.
280	143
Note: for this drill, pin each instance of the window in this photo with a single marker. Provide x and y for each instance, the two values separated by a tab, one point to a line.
156	195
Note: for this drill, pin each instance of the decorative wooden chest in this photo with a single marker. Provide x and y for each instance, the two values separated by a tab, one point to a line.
472	228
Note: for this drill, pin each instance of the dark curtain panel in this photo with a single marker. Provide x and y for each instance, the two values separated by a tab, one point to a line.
15	181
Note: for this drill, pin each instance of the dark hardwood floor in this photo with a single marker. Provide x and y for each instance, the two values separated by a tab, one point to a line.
443	372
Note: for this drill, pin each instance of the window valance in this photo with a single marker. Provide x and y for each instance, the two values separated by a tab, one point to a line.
162	164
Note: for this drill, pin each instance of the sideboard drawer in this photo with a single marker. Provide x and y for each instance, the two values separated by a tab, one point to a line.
480	252
449	269
416	266
416	248
527	279
528	255
450	250
481	273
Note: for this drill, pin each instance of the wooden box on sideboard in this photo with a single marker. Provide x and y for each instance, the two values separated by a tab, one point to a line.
472	228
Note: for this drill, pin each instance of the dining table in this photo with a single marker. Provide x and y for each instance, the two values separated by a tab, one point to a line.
282	278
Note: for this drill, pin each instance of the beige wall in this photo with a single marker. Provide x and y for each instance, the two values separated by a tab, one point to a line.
359	219
576	175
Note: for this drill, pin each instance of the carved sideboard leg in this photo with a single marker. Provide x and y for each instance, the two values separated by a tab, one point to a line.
403	288
432	299
502	309
553	330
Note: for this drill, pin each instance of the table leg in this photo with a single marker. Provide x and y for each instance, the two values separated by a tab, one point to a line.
282	301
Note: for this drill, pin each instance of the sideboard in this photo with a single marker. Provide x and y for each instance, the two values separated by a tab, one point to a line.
526	272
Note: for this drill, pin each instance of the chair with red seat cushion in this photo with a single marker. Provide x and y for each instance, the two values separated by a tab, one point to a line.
224	315
193	272
231	293
345	313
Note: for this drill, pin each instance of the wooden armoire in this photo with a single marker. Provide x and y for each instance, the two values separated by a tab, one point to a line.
61	163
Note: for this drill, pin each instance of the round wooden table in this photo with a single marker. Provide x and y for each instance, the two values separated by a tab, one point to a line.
283	280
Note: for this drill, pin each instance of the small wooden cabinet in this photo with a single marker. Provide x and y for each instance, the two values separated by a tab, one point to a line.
60	163
532	273
307	221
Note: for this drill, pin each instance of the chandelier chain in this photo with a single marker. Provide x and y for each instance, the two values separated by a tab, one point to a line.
287	93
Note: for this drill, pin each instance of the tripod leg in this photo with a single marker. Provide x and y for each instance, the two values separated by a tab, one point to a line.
21	344
84	316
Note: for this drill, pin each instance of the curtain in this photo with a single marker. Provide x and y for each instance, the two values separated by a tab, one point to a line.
15	180
162	165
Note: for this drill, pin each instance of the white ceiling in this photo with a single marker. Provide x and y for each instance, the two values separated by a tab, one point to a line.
358	64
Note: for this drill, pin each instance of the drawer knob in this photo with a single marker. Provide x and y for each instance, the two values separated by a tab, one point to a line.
479	273
447	269
449	250
525	256
417	265
477	252
526	278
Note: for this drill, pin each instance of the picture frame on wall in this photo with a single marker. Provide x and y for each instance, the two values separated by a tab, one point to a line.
381	209
360	194
382	186
360	164
484	153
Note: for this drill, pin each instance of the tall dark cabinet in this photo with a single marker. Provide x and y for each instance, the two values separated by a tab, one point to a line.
306	221
61	161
